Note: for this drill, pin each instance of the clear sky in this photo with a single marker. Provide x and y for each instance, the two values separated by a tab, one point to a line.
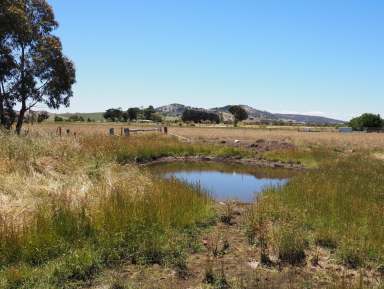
324	57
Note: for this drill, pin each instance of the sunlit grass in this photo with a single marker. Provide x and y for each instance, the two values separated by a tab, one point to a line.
88	211
339	206
153	146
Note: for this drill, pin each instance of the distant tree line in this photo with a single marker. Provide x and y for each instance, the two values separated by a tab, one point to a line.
73	118
198	116
367	121
132	114
33	117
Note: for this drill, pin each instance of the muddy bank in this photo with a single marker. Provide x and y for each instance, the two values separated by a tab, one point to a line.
234	160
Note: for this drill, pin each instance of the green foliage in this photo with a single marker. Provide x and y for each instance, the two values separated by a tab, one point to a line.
42	116
35	70
148	112
114	114
366	120
238	113
199	116
76	118
133	113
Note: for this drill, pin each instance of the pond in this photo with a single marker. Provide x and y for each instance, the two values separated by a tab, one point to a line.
225	181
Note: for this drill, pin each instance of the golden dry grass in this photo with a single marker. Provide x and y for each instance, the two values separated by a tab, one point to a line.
332	139
329	137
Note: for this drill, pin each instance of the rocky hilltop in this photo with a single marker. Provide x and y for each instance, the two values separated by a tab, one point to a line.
176	110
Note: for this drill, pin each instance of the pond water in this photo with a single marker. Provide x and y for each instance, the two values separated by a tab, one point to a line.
223	181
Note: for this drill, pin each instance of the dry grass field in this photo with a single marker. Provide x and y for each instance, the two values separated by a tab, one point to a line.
369	141
246	135
79	211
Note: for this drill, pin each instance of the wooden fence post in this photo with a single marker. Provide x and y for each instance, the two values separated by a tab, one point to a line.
112	131
58	131
165	130
126	131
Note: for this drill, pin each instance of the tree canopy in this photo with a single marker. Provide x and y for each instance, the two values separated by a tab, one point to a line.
148	112
114	114
367	120
33	68
133	113
238	113
200	116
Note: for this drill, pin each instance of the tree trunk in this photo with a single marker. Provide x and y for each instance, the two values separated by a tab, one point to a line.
2	116
20	118
23	108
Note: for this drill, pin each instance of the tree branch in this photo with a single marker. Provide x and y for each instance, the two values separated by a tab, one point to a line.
32	105
42	86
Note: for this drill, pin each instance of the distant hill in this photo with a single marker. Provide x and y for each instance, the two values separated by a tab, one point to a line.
94	116
252	112
176	110
308	118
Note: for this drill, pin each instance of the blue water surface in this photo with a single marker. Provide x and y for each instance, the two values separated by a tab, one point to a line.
225	186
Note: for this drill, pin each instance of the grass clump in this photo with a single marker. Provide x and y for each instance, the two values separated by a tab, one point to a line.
81	212
146	148
310	157
290	245
338	206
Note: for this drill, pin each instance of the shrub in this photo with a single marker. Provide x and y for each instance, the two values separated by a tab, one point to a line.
291	245
80	265
58	119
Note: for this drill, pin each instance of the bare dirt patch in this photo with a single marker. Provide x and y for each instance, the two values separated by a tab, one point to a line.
226	259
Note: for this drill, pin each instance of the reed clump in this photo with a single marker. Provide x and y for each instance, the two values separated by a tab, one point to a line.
144	148
75	210
338	206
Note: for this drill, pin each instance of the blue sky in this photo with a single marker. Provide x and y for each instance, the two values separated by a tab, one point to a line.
324	57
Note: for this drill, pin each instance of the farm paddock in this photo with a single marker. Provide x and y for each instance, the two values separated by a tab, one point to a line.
80	212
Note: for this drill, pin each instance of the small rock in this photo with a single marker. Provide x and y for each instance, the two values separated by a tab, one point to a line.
253	264
236	141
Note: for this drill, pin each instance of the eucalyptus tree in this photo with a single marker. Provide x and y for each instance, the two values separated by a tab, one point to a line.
239	113
36	69
7	67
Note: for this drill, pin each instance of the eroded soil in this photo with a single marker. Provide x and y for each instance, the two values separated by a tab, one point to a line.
225	259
